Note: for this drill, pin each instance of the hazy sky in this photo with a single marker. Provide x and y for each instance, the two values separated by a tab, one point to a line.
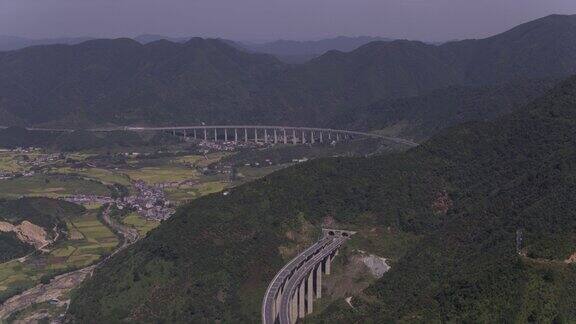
272	19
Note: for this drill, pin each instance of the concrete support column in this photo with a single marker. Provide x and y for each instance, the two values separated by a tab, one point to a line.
312	140
327	263
185	136
329	136
294	138
301	299
173	133
195	134
235	135
285	138
275	136
205	134
265	136
310	293
294	308
255	135
319	281
321	137
246	135
303	137
215	134
337	137
277	305
225	135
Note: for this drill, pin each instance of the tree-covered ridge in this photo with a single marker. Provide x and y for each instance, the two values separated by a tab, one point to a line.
204	80
11	247
466	193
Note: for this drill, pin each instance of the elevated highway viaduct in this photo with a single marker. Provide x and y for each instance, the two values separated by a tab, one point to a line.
249	133
292	292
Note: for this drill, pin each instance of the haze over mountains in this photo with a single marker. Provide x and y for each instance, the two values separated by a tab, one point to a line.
302	51
10	43
123	82
289	51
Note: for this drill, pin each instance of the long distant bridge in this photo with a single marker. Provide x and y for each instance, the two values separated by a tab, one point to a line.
249	133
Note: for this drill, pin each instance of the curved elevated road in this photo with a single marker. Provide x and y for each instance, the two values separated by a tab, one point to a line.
277	284
300	275
292	291
230	127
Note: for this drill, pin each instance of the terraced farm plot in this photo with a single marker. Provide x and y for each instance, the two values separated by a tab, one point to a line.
201	160
103	175
53	186
92	239
143	226
168	173
185	193
255	173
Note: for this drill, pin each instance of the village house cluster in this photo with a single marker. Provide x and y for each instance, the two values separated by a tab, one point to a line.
150	202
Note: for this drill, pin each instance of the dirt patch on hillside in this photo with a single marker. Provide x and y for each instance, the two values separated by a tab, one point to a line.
28	233
571	259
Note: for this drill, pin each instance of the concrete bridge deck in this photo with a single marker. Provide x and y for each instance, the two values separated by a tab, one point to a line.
277	133
291	293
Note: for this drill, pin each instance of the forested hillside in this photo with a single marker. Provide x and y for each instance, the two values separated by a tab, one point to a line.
466	194
46	213
120	82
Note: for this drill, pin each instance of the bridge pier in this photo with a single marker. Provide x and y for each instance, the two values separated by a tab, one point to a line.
301	296
255	135
310	292
195	134
319	281
265	136
291	294
312	139
225	134
294	308
235	135
246	135
285	137
205	134
275	136
215	134
303	137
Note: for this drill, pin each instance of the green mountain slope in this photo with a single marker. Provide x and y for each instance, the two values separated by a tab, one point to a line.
423	116
466	194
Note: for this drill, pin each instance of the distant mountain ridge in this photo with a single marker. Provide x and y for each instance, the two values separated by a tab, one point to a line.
10	43
124	82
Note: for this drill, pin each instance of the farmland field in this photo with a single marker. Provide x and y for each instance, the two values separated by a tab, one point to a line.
142	225
103	175
88	241
168	173
53	186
